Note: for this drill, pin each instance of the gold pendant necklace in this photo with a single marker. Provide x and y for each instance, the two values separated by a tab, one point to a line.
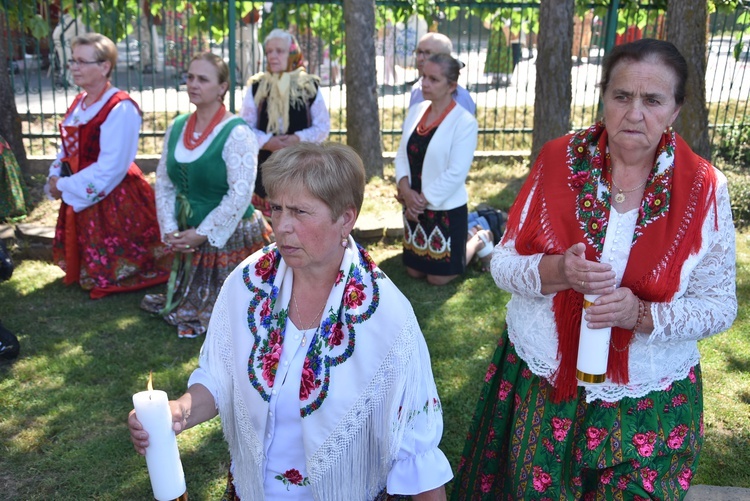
620	196
304	331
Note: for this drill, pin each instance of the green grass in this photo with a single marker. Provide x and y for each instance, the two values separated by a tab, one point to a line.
64	402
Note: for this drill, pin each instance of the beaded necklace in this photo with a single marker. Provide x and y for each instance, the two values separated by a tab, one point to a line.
188	138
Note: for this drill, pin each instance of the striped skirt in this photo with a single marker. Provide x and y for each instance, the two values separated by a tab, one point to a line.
195	292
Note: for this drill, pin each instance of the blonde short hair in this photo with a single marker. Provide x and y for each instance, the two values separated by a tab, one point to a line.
104	48
331	172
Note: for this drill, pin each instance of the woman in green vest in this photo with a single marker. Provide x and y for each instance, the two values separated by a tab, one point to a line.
204	184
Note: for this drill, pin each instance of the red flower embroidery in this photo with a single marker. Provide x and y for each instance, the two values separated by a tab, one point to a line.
270	364
337	334
594	437
644	443
560	428
354	294
307	384
264	267
490	372
586	202
542	479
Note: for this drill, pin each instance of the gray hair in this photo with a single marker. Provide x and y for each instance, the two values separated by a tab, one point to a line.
450	67
279	34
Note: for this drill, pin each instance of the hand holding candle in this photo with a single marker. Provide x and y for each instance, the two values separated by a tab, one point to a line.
162	455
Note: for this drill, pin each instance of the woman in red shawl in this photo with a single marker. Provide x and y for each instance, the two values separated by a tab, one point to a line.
625	214
107	238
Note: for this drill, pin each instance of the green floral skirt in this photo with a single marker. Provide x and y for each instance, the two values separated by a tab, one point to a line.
521	445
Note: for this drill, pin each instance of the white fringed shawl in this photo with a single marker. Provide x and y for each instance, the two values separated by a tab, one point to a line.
379	379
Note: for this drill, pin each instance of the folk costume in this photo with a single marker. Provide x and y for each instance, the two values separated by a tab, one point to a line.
207	188
539	432
341	411
284	103
12	190
105	200
437	162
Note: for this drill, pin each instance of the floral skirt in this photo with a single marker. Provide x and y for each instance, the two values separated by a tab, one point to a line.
436	245
521	445
114	245
195	291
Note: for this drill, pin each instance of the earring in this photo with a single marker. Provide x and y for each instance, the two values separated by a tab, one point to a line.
344	241
668	130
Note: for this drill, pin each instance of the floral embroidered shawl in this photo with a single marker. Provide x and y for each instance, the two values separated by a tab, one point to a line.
366	373
571	200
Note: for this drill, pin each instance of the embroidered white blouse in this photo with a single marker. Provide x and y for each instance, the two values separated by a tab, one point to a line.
316	133
283	460
705	304
123	123
240	153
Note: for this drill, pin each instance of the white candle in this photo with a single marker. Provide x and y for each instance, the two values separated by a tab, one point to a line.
593	349
162	455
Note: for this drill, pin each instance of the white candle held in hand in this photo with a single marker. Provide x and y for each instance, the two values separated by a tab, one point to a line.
162	455
593	349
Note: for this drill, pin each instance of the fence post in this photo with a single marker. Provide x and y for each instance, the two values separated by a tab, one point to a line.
232	51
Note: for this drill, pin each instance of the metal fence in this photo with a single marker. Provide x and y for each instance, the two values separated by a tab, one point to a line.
495	40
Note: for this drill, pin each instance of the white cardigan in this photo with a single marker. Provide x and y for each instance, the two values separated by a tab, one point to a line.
448	157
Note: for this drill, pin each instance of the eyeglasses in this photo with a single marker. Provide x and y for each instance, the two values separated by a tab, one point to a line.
79	62
425	53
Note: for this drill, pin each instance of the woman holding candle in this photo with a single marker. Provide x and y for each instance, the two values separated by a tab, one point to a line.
432	162
626	214
105	198
314	359
204	184
283	105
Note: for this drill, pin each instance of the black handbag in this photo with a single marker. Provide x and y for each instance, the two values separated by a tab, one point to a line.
6	263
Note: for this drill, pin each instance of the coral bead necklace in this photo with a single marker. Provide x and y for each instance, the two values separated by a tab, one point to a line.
189	139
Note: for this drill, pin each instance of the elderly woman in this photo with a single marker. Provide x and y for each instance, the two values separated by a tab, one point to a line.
432	162
626	214
314	359
283	105
204	183
105	198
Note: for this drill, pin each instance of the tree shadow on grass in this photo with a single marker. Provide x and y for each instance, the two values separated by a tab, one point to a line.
67	397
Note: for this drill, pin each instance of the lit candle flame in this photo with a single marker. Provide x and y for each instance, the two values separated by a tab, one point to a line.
150	385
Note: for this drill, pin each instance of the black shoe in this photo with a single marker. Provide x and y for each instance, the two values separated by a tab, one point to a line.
9	345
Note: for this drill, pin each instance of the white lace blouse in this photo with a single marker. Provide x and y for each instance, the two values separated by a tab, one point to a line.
705	304
240	153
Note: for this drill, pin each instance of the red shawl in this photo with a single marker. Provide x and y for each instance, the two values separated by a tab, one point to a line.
571	203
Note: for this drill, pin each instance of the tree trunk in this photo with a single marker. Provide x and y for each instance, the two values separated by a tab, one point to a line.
362	119
10	122
686	29
553	72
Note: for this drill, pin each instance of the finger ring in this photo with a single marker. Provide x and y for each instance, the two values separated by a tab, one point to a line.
176	234
187	246
583	284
